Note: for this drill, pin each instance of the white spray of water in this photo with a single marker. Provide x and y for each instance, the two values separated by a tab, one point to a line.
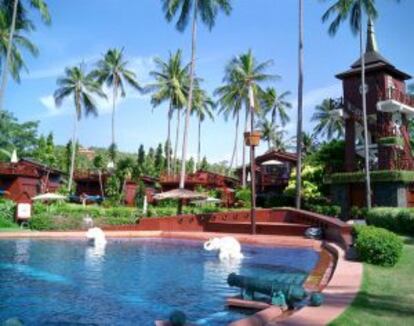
96	237
229	247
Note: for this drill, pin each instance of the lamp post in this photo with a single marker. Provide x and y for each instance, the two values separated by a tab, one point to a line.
252	139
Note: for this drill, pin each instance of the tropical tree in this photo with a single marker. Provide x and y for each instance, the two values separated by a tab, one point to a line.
230	101
276	105
246	74
354	10
249	75
309	144
268	130
203	107
300	109
113	71
171	85
10	30
207	11
99	165
329	123
81	87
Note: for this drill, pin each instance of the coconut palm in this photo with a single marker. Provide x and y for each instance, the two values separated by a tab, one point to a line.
276	105
230	101
203	107
309	143
247	75
207	11
20	42
268	130
99	164
82	87
171	85
329	123
19	21
113	71
354	10
300	109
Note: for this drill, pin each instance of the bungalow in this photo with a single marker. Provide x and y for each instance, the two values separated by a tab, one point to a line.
206	180
91	183
273	170
28	178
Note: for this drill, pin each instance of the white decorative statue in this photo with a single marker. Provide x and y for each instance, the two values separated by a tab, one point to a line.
229	248
96	237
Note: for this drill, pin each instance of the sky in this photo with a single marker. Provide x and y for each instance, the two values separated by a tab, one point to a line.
82	31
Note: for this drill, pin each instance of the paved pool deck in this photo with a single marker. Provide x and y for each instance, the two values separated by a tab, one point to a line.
340	289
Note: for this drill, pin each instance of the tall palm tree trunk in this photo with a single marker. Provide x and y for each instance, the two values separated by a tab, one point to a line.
190	97
300	111
236	140
252	164
177	136
199	145
8	55
244	176
364	112
114	95
101	183
169	140
73	154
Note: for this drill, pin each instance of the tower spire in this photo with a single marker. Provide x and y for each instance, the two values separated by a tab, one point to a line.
371	39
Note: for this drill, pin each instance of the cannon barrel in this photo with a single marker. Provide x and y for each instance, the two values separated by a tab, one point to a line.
292	292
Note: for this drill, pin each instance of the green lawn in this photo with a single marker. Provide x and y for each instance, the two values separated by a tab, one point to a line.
386	296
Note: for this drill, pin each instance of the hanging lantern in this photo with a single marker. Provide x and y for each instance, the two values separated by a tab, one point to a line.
252	138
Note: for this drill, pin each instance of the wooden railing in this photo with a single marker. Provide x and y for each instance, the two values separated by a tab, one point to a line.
397	95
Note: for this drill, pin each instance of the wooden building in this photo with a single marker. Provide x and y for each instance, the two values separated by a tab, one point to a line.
207	180
91	183
389	109
273	170
28	178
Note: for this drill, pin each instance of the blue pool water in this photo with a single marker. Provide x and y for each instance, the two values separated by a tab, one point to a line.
131	282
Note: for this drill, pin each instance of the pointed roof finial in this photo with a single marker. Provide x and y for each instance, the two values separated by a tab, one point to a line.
371	39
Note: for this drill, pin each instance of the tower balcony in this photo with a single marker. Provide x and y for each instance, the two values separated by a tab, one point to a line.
396	101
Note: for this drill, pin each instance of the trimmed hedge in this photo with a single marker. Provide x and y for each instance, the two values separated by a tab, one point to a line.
400	220
378	246
391	141
7	211
376	176
328	210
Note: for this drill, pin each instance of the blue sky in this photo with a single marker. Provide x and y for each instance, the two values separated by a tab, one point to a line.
84	30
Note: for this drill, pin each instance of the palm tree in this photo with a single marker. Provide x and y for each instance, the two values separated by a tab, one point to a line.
82	87
268	130
207	11
99	165
230	100
309	144
300	110
329	123
276	105
19	21
113	71
354	10
203	107
16	63
171	84
247	74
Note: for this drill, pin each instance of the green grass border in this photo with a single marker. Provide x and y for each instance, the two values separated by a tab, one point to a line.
376	176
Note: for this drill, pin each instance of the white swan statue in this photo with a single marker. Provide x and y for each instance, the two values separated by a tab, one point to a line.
229	248
96	237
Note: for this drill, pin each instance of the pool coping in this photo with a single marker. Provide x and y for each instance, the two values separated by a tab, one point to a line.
342	286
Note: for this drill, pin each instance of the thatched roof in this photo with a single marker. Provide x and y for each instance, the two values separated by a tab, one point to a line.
180	194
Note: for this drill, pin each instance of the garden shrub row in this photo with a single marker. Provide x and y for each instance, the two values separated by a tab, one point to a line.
378	246
328	210
400	220
7	212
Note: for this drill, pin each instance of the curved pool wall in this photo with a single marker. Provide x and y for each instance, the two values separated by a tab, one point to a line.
130	281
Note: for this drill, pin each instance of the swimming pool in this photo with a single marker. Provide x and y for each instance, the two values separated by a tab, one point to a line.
130	282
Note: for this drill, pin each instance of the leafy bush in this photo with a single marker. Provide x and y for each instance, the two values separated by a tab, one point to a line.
243	196
400	220
7	211
378	246
358	213
278	201
328	210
